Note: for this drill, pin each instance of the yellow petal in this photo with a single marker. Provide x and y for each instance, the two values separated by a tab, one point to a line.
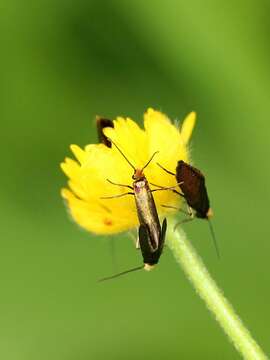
165	138
131	140
71	168
86	204
98	218
188	126
78	152
77	189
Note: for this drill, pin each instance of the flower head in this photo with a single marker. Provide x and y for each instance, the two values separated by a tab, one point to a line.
96	164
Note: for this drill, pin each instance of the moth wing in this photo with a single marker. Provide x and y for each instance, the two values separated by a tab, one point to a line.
102	123
193	186
150	255
204	201
163	235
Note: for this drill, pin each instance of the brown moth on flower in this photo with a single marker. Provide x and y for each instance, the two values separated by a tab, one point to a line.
193	189
102	123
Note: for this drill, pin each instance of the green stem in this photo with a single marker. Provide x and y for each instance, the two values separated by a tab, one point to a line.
206	287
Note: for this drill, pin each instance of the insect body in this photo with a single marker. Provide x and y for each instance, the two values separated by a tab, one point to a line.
192	184
101	124
151	234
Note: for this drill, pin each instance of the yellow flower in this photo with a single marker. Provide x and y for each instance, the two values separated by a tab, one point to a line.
97	163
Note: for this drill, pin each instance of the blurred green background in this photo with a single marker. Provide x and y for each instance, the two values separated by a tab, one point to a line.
61	64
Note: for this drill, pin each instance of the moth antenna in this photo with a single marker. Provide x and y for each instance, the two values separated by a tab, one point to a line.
121	152
214	238
148	162
121	273
167	171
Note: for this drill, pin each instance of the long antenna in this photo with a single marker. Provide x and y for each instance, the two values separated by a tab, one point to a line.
121	152
167	171
121	273
148	162
214	238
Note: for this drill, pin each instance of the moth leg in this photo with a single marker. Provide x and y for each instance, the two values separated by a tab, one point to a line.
183	222
190	218
176	208
169	188
171	207
113	183
189	211
159	186
117	196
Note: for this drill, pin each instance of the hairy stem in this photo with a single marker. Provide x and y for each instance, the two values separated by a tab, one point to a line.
213	297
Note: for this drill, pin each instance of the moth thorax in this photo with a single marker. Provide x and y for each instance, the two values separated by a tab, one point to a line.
139	185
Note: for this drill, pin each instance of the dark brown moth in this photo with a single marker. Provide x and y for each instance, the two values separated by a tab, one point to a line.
151	234
102	123
192	185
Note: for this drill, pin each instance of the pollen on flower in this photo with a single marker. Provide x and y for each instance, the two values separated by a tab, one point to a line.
95	164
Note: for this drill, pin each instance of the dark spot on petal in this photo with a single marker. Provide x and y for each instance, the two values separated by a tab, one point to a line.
107	222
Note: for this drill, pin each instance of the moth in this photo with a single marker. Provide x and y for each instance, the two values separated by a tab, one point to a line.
193	189
151	235
102	123
192	185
